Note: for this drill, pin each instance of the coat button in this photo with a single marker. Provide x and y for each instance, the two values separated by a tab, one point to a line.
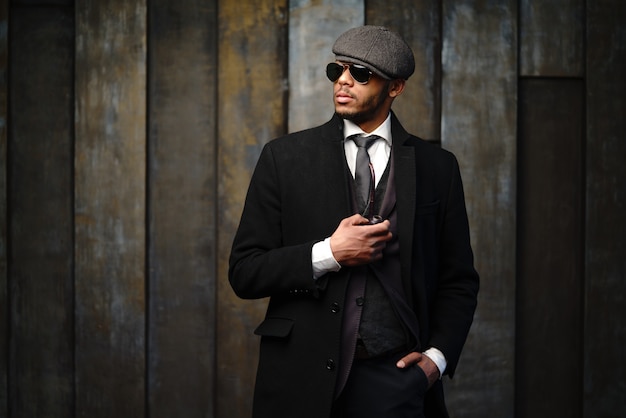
334	308
360	301
330	364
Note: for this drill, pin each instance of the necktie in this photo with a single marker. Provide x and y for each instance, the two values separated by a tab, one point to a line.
364	174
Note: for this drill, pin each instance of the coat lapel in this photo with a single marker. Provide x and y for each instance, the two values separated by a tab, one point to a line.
334	174
405	181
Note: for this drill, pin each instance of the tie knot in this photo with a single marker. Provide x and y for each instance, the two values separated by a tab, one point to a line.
364	141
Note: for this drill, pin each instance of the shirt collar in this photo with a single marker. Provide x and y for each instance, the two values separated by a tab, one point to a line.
384	129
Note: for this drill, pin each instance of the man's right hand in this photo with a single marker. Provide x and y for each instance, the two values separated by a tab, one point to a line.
355	242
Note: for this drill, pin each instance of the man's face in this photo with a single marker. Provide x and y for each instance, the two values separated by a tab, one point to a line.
366	104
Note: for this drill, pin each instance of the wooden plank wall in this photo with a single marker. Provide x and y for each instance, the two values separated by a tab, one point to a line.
252	79
181	201
4	293
478	111
41	274
605	206
110	208
551	222
313	28
550	225
419	23
128	134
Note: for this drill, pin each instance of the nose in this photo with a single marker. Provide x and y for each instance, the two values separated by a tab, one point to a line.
345	77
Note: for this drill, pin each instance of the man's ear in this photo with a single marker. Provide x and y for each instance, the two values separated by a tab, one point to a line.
396	87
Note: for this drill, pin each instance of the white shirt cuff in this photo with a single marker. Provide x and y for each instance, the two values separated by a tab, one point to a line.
322	259
438	358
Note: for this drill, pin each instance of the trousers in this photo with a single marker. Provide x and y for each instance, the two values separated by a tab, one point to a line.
376	388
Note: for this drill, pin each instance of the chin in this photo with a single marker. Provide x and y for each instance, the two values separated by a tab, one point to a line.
345	112
355	117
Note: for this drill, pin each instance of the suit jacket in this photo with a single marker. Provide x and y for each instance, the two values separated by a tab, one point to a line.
298	194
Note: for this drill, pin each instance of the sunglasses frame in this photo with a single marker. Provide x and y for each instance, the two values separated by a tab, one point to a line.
350	67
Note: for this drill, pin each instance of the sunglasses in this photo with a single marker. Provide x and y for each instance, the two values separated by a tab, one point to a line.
360	73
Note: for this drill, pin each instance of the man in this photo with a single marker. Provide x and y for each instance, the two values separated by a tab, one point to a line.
358	233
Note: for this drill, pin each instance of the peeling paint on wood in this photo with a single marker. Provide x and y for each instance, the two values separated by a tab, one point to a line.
313	28
110	170
252	95
479	94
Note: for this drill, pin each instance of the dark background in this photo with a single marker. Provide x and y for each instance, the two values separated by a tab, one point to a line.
128	132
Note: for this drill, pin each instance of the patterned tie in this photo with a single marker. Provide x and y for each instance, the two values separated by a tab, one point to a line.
364	174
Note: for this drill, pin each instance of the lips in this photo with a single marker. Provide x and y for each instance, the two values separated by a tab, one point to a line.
343	97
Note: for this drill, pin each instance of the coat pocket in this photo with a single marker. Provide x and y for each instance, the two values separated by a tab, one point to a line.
275	327
428	208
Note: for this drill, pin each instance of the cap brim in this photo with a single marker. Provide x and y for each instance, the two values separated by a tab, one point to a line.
353	60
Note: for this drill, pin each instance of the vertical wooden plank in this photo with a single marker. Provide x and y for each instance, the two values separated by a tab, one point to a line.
110	199
550	248
4	279
552	38
313	28
479	94
41	296
42	2
251	78
182	208
419	23
605	328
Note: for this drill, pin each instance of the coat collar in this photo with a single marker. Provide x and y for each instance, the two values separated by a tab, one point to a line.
333	129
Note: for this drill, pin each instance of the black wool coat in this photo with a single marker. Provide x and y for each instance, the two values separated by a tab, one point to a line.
298	194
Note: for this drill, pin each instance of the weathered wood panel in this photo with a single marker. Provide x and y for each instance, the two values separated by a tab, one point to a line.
605	328
4	277
552	38
182	208
252	110
110	176
419	23
479	94
313	28
36	3
550	244
41	206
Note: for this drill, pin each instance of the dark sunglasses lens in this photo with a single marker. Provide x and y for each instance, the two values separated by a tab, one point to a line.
334	71
360	73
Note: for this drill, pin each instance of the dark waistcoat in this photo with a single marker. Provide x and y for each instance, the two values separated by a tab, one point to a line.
377	312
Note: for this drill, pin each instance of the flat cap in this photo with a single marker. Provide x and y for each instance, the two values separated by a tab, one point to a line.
378	48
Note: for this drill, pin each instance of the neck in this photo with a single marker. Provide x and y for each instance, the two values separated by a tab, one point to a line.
374	120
